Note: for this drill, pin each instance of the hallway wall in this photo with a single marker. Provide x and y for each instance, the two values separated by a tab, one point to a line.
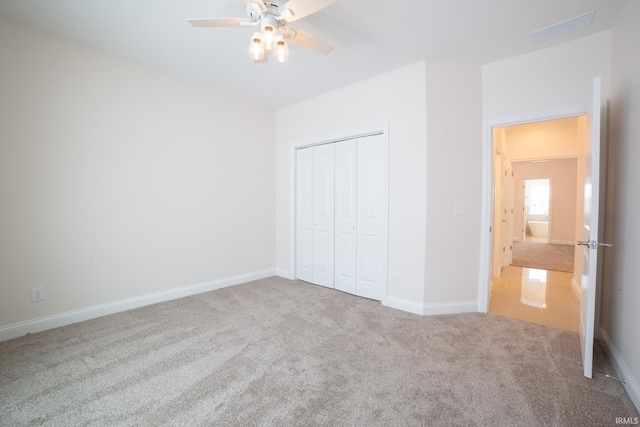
543	140
563	175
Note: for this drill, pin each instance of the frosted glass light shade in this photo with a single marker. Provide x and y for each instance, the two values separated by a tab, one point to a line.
256	47
281	49
269	35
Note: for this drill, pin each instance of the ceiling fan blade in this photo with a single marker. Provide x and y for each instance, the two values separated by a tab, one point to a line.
302	8
257	5
308	41
224	22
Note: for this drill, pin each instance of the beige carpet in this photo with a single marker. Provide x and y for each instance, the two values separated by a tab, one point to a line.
545	256
282	353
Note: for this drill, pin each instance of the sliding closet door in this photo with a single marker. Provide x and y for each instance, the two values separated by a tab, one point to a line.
345	258
304	214
372	213
341	215
323	214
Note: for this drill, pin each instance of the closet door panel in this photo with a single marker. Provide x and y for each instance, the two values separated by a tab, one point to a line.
323	215
372	182
304	214
345	216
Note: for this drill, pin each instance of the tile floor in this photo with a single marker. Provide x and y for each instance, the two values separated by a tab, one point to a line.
538	296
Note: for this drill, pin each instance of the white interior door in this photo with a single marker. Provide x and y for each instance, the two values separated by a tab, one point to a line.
590	238
372	212
505	238
510	213
345	217
323	215
304	214
496	247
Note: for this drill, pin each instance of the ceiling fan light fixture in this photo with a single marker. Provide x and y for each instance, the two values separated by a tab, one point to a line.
273	18
256	47
282	49
269	32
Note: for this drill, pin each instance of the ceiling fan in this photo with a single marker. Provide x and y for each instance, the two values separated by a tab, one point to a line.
274	18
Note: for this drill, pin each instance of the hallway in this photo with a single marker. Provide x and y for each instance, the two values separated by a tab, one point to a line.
544	297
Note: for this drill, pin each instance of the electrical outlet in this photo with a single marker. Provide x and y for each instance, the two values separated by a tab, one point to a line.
37	294
392	278
257	257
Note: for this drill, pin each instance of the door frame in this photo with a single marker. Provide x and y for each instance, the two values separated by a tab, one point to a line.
380	129
486	233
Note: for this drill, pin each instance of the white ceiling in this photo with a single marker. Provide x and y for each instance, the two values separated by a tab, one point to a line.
370	37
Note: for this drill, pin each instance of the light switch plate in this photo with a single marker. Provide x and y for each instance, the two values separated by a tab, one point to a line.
460	208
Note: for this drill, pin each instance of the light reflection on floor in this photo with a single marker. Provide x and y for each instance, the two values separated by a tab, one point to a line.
537	296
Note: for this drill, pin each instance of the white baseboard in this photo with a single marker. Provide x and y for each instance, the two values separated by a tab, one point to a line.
631	383
16	330
404	305
450	308
575	287
431	309
286	274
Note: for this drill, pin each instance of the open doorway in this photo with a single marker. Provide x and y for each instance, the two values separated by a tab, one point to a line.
537	203
536	195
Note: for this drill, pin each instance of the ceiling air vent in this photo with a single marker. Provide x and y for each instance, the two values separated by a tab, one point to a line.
563	27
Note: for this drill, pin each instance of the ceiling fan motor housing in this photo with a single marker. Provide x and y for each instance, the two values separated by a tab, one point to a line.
256	14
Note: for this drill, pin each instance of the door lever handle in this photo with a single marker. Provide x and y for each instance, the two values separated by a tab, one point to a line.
594	244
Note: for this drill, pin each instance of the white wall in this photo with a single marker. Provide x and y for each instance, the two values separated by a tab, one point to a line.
396	98
556	77
454	175
117	181
621	296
